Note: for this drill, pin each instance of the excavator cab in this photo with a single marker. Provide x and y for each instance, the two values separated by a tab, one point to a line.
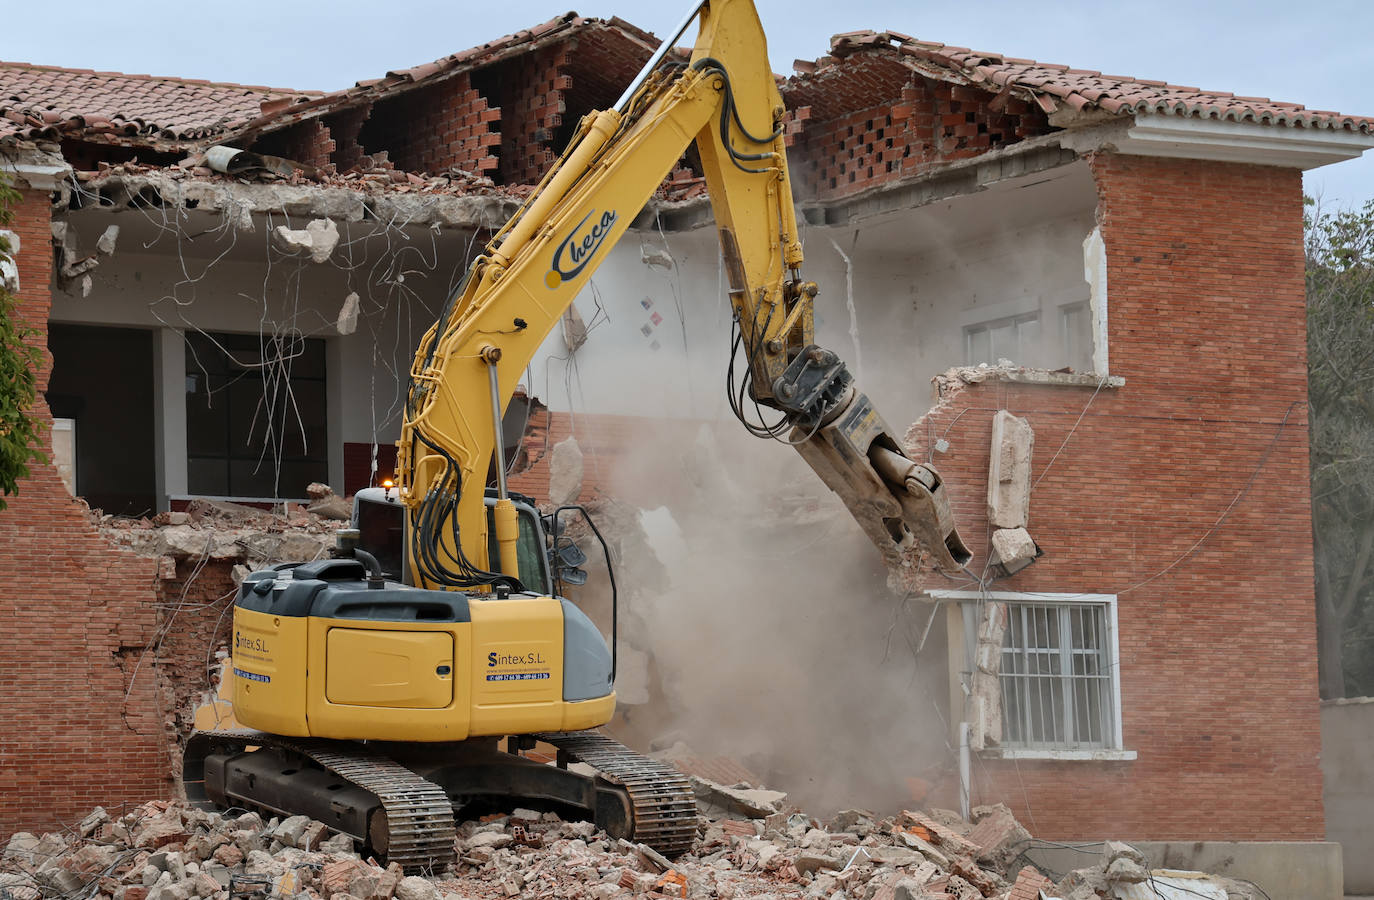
379	518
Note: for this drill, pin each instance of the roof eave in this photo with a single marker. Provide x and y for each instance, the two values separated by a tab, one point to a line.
1242	142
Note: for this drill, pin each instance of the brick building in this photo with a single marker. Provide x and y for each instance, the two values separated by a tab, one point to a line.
1117	262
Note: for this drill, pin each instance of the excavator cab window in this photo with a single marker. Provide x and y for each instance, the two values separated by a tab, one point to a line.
530	552
377	514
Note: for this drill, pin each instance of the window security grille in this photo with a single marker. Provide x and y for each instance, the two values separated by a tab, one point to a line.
1056	677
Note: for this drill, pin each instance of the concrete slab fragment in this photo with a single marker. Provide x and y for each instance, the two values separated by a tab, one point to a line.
1009	471
1013	549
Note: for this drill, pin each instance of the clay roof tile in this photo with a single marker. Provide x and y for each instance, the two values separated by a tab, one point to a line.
46	101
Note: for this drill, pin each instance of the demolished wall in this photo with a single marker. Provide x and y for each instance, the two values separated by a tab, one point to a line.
848	144
1196	470
82	724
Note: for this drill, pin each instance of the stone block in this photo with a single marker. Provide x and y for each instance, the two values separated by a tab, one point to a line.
416	888
1013	549
1009	471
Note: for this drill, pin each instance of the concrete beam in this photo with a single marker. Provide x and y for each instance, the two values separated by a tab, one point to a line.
34	169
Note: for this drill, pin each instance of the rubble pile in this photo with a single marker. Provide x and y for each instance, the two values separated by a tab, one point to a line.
219	530
165	851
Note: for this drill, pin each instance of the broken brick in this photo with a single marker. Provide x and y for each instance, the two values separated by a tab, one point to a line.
1029	884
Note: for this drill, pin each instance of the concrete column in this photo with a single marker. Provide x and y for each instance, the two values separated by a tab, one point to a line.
1095	273
169	414
334	403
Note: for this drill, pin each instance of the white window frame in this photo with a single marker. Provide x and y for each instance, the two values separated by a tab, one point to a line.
969	602
989	325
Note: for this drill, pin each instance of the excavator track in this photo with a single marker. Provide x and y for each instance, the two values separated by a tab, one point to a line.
418	831
661	798
418	828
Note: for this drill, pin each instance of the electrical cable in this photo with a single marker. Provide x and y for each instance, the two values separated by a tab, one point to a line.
1240	495
1064	443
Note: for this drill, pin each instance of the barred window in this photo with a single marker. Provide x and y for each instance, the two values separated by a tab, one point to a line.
1058	676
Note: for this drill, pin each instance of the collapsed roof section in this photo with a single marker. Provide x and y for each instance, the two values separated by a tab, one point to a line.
1055	87
884	105
500	111
864	119
504	108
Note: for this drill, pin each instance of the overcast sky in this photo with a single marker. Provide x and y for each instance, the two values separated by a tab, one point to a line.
1318	53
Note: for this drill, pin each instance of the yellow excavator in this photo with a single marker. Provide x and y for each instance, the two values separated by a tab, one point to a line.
377	699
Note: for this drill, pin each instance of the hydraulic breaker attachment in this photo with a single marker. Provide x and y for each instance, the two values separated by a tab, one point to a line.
899	503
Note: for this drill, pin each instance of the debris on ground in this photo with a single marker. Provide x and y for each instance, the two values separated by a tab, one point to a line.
164	850
220	530
327	504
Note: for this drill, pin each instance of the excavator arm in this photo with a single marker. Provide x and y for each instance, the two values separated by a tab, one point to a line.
725	99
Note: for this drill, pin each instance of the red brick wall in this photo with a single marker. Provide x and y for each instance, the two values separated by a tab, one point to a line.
77	728
431	129
344	128
1218	646
530	91
307	142
926	125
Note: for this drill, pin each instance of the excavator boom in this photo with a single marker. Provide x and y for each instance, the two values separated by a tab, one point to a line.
725	100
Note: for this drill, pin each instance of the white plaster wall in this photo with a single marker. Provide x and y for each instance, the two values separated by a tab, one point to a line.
919	278
233	282
677	368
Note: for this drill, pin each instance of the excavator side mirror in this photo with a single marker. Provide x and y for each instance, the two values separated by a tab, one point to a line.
571	556
567	560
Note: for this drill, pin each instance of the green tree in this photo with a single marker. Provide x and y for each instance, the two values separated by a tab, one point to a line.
1340	360
19	362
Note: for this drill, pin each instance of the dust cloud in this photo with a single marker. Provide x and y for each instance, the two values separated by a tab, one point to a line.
756	618
770	633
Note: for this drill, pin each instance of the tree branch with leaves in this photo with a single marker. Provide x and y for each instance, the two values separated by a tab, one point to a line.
1340	363
20	433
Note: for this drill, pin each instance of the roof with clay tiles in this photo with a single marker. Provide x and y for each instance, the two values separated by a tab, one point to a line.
46	102
1054	87
612	40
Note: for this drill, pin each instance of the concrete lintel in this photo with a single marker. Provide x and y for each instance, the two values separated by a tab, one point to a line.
1009	475
980	374
34	169
243	201
1286	870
